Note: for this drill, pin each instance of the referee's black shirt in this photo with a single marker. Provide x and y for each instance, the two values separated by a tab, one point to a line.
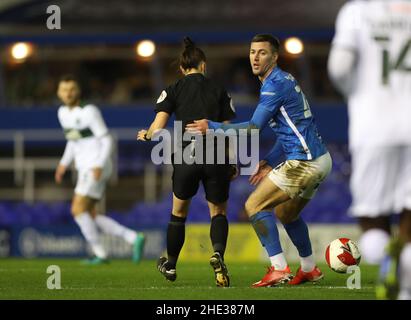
196	97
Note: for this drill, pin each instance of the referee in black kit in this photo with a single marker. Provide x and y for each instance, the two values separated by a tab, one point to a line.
191	98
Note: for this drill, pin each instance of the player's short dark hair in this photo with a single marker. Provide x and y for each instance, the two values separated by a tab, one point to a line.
191	55
69	77
274	42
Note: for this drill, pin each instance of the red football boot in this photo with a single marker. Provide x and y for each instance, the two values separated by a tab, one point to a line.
274	277
302	276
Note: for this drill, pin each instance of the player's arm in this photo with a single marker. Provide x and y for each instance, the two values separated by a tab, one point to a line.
160	122
274	156
258	121
341	64
165	106
270	160
65	161
344	50
266	108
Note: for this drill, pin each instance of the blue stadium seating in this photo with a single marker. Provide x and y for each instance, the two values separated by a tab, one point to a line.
330	205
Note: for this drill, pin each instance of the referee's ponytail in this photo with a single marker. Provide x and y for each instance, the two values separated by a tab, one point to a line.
188	43
191	55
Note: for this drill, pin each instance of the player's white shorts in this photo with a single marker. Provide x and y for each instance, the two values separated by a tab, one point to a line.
301	178
380	180
88	186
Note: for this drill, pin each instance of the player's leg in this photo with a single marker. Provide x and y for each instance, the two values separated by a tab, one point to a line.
219	226
375	236
88	192
216	182
313	173
289	215
404	201
218	236
185	186
287	181
373	182
176	229
405	256
259	207
112	227
175	238
81	209
395	268
108	225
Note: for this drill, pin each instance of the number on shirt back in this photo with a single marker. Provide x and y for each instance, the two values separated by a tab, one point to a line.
388	64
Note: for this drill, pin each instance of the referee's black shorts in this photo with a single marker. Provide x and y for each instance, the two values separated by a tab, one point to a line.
215	178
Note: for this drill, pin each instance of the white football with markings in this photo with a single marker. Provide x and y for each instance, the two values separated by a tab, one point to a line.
342	253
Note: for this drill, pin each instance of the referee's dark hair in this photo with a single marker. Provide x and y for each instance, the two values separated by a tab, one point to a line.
191	56
274	42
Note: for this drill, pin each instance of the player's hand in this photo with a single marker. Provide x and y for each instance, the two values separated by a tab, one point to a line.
97	172
198	126
141	135
234	171
261	171
59	174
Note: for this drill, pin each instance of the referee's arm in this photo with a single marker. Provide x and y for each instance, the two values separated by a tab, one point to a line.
159	122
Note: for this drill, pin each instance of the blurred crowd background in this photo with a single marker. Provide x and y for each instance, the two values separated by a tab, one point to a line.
98	43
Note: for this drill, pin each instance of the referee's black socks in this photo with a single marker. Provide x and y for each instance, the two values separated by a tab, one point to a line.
176	232
219	233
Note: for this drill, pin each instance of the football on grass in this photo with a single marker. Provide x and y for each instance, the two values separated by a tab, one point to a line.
342	253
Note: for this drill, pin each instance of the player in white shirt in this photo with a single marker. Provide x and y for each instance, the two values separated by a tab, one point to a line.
89	144
370	62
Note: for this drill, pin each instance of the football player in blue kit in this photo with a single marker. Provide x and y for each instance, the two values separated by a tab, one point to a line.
288	187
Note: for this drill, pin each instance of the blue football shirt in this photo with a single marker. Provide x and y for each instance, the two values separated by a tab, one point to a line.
285	109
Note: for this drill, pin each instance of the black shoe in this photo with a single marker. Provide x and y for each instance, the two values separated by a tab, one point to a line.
220	270
166	271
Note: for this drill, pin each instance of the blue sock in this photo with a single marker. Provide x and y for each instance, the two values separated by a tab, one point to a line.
266	229
298	233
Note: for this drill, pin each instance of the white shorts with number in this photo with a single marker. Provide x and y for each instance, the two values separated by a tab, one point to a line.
88	186
301	178
380	180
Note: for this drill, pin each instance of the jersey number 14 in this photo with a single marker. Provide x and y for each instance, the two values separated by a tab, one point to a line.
389	65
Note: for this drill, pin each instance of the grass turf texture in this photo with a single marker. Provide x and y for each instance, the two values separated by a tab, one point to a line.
121	279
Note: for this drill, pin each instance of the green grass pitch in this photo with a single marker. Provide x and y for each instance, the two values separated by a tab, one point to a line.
121	279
